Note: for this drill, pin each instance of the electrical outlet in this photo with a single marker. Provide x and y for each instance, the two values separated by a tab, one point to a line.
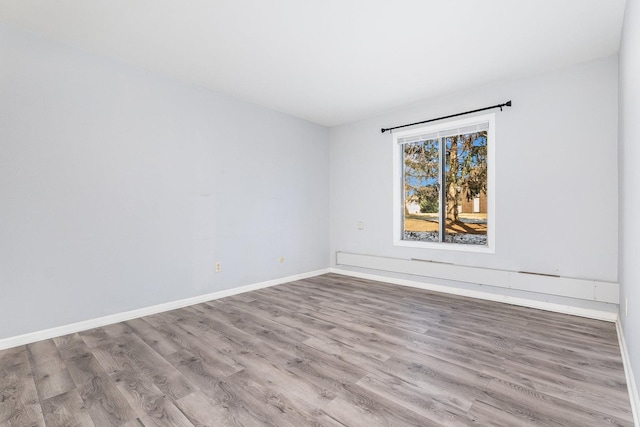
281	259
360	225
218	267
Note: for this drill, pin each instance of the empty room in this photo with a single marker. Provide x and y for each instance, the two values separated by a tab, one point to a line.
319	213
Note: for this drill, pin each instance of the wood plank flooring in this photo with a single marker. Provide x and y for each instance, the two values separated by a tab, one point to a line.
326	351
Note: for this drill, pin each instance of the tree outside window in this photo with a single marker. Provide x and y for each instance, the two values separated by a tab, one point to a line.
445	184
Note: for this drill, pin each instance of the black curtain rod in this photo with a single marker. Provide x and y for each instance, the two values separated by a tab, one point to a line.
506	104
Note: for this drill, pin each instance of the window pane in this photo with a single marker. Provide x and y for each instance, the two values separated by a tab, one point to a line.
421	191
466	188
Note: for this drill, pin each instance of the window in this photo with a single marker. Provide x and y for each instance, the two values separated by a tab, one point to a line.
443	186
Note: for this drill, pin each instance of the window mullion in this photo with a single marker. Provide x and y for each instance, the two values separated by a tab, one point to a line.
443	196
404	196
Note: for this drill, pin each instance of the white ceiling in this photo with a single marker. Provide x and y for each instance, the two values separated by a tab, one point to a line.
332	61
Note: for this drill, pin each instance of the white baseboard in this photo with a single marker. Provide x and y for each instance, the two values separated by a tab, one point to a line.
146	311
631	383
541	305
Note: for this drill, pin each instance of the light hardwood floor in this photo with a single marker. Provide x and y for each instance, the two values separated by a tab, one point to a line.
325	351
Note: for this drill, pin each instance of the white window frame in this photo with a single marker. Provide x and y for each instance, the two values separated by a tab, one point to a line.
398	181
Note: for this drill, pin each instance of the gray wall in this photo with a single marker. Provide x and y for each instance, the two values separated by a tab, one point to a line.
119	188
556	177
630	182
